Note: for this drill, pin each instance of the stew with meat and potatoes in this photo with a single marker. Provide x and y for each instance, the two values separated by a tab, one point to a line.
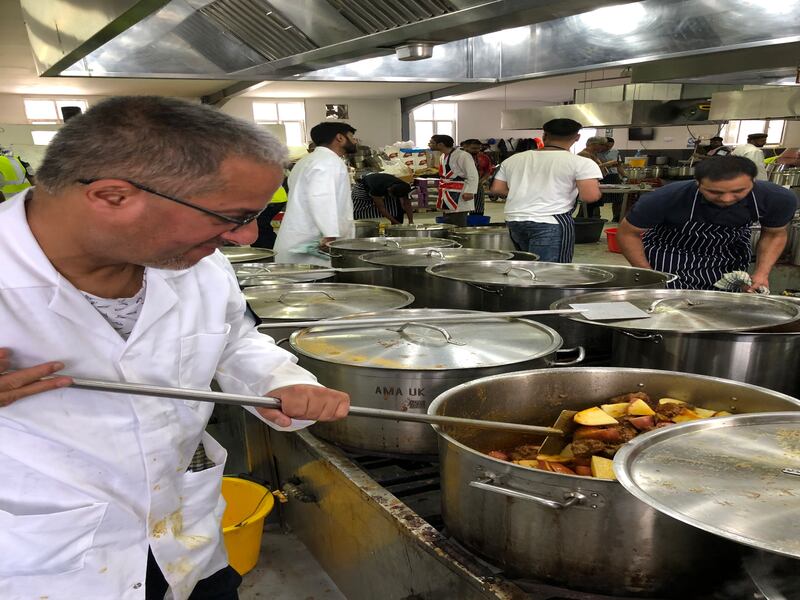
600	431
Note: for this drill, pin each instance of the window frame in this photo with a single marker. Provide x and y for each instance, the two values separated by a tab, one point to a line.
277	106
741	134
434	122
57	104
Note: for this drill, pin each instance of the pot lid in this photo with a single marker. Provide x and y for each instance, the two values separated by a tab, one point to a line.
304	301
429	346
385	243
421	227
425	257
694	311
243	254
523	273
486	229
251	274
737	477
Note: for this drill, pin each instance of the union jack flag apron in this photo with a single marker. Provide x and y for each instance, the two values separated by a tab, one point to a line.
450	186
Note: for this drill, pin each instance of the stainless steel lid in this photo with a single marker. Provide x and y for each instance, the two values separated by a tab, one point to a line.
252	274
737	477
421	227
695	311
303	301
375	244
523	273
429	346
243	254
424	257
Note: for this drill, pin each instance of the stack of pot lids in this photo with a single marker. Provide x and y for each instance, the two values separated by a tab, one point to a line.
425	257
737	477
244	254
250	274
307	301
387	243
486	229
523	273
692	311
429	346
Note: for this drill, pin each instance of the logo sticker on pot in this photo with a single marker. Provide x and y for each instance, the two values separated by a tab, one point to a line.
411	397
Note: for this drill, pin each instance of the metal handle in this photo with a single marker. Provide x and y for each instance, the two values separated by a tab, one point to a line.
575	361
447	337
327	250
294	489
532	274
282	296
433	251
789	471
655	304
656	338
395	242
570	498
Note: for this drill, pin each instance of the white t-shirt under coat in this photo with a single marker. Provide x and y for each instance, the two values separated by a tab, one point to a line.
542	183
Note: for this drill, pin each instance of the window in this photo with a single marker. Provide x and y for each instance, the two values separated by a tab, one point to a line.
42	138
46	111
736	132
292	115
581	143
437	118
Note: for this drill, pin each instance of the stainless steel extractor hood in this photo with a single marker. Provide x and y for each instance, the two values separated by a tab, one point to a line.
773	103
627	113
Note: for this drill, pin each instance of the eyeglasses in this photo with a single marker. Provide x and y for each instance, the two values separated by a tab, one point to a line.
238	222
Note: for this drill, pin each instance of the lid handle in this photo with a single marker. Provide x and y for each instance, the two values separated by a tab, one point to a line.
433	251
395	242
447	337
529	271
788	471
685	301
282	296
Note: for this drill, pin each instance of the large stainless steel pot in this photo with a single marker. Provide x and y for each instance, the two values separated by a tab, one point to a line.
790	177
406	269
794	243
486	286
580	532
743	337
246	254
366	228
346	252
288	302
489	237
684	172
403	367
437	230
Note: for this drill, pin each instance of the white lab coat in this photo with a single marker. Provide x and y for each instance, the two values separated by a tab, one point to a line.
756	155
90	480
319	205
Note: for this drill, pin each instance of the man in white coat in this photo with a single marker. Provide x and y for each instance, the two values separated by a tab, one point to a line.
753	150
320	207
111	270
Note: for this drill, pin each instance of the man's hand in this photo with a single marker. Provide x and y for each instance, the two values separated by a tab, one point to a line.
759	281
306	402
323	243
467	197
27	382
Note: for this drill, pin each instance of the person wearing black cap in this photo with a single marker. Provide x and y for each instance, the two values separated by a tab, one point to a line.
541	187
700	230
752	150
716	147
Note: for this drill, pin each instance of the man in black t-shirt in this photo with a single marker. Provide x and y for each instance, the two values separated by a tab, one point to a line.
700	230
380	195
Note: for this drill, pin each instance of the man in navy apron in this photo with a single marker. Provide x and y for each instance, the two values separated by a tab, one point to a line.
699	230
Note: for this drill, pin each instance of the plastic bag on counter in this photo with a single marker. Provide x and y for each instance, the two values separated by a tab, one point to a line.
397	167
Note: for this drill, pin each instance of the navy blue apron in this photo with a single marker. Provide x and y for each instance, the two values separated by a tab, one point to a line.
698	253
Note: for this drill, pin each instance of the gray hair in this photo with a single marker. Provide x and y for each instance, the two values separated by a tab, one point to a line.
172	145
596	140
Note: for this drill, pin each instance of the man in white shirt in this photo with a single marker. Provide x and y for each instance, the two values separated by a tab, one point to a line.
111	271
320	208
458	181
752	150
541	187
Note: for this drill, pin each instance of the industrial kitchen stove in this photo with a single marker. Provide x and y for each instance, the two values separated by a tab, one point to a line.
374	524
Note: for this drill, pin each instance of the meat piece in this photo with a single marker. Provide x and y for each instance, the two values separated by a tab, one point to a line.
586	447
634	396
643	423
669	410
627	432
610	450
524	452
584	470
559	468
661	424
605	434
498	454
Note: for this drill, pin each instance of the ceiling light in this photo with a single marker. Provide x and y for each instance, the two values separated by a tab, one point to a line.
616	20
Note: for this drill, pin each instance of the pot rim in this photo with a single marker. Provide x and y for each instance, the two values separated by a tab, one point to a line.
555	477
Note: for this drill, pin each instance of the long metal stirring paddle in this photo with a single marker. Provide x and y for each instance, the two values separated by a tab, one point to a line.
141	389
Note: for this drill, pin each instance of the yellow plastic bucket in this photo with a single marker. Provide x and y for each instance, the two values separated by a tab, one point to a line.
243	521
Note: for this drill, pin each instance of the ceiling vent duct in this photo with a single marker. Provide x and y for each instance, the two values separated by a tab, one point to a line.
414	51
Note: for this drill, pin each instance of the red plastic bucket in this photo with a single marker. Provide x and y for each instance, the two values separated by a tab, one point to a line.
611	237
